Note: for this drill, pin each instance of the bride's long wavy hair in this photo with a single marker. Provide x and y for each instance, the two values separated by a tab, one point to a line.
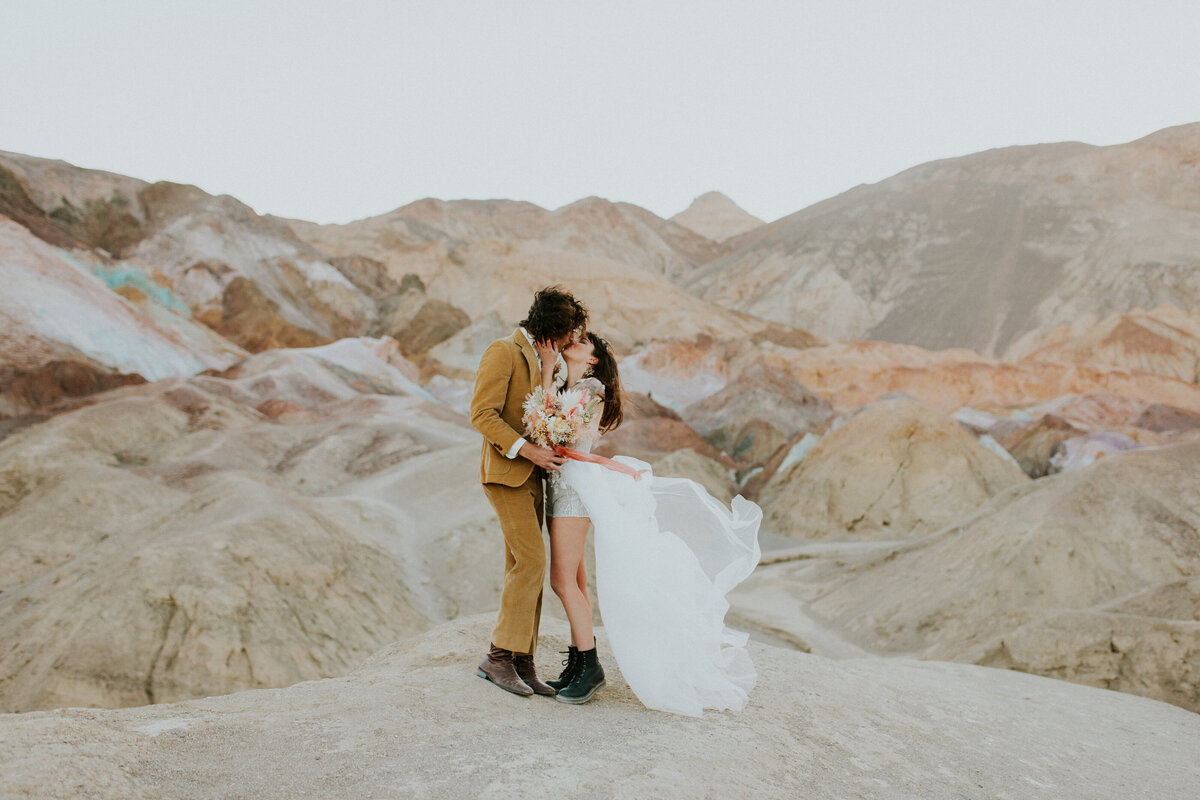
605	371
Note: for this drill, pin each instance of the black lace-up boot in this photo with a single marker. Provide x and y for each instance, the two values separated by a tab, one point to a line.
571	664
589	679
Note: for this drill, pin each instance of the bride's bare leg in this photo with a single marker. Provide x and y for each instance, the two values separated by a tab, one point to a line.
568	536
582	579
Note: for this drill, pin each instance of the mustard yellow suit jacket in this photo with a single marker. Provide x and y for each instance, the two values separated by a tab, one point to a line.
508	372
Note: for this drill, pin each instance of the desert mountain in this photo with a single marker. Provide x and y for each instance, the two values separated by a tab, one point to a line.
414	721
761	402
851	375
714	216
979	250
264	282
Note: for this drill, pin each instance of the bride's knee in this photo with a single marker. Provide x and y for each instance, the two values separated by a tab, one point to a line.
563	585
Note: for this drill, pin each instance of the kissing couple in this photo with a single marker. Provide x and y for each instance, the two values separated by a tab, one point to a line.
667	552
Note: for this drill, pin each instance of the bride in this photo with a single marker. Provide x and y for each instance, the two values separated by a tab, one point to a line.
667	553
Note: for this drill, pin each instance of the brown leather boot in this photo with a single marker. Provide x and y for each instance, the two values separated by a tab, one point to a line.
528	672
498	668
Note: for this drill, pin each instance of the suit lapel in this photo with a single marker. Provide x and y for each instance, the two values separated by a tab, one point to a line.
531	358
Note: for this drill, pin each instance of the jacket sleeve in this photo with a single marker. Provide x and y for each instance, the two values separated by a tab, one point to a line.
491	391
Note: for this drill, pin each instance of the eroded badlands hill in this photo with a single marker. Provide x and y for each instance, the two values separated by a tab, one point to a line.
274	523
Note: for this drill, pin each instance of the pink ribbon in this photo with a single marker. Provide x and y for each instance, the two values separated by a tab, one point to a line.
615	466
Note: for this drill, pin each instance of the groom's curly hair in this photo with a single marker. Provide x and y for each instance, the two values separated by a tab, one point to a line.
555	313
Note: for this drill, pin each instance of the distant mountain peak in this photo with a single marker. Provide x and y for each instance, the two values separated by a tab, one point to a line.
716	217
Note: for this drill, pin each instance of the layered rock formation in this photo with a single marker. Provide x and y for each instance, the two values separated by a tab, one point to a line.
264	282
682	373
246	276
677	372
277	519
851	375
59	305
756	413
1033	445
592	228
1041	437
1163	341
414	720
73	323
71	207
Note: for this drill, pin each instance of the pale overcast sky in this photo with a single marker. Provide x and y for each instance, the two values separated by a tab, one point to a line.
336	111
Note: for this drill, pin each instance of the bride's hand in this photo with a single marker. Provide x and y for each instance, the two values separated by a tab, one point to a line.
547	352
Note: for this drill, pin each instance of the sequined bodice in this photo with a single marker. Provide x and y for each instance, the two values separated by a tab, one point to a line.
591	433
561	499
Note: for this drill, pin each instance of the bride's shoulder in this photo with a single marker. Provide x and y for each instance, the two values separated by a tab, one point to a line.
593	385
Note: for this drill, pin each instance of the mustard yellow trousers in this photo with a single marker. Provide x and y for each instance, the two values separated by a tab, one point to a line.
520	511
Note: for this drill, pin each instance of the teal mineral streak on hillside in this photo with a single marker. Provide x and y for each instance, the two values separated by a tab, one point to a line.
117	276
70	258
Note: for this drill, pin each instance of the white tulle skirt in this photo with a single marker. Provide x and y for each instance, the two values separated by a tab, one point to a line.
667	552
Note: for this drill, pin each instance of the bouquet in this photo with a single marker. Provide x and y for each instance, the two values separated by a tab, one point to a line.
557	421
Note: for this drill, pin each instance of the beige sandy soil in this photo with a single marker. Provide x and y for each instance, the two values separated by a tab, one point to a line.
414	721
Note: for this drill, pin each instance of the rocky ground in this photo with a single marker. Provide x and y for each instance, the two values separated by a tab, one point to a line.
415	721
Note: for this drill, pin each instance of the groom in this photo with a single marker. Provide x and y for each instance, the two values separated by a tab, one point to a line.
511	474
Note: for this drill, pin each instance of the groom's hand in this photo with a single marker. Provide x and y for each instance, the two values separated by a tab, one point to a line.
544	457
